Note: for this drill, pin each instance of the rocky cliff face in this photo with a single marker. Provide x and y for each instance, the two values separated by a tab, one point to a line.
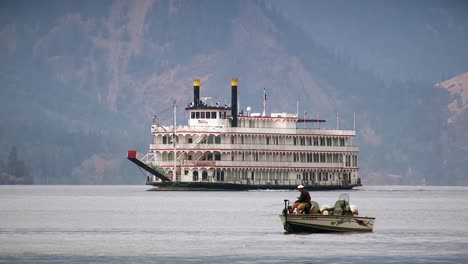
88	77
455	136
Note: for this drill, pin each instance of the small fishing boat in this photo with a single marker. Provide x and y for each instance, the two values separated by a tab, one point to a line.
340	218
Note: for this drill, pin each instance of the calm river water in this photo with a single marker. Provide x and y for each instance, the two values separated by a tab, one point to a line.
127	224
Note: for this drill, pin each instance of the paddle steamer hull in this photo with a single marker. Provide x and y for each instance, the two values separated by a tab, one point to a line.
217	186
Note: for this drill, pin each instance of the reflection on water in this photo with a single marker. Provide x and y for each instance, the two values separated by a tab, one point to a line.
109	224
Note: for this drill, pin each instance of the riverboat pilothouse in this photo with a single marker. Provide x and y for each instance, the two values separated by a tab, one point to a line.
223	149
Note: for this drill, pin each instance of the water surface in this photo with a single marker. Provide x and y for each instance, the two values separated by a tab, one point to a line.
127	224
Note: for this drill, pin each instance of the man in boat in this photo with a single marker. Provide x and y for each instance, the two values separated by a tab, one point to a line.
302	204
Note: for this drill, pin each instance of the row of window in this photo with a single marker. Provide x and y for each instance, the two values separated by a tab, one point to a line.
316	141
350	160
252	176
267	140
211	139
219	175
207	115
324	176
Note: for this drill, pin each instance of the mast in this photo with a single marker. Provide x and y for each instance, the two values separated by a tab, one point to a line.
264	102
174	141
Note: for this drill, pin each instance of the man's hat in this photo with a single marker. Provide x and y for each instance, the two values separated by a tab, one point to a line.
300	186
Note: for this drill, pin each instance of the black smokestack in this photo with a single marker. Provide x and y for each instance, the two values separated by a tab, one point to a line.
234	102
196	92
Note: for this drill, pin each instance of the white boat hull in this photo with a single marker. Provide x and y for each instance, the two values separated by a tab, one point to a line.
308	223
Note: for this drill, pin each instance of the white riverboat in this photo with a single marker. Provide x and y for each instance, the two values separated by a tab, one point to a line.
222	148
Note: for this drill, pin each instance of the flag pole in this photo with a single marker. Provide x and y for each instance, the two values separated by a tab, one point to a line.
337	120
264	102
305	117
318	119
297	108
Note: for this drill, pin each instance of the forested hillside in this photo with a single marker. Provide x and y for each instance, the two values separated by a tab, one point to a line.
81	80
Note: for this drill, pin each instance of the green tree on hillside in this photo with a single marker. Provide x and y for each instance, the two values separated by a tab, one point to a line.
14	171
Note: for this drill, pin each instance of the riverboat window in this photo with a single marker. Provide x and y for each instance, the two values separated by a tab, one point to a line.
217	156
315	141
197	115
305	176
186	172
189	140
213	115
342	142
166	139
294	140
195	176
208	115
202	115
232	139
218	139
204	176
189	157
210	139
192	115
268	140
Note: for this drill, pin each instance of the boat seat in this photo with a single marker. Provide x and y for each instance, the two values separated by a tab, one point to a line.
315	208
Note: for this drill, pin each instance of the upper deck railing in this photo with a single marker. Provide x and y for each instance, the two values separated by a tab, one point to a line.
257	131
